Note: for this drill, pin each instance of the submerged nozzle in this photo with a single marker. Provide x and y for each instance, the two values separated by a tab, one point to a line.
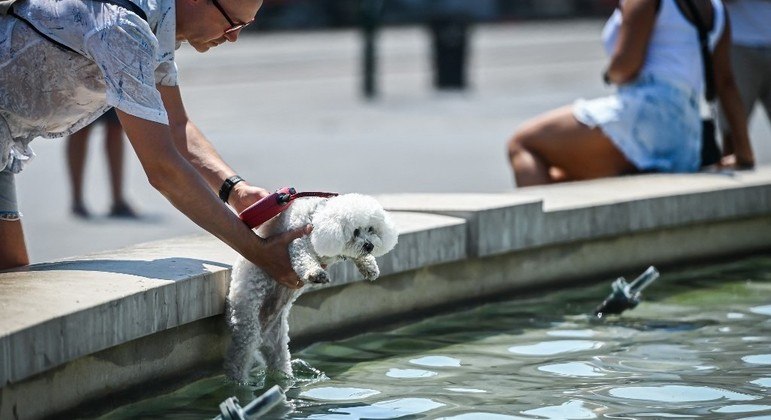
230	410
626	295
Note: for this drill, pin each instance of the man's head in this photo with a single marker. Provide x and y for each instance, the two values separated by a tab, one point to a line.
207	23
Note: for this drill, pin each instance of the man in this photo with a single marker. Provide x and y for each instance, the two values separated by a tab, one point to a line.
63	63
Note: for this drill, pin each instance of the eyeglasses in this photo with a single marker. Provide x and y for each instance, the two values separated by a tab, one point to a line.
233	25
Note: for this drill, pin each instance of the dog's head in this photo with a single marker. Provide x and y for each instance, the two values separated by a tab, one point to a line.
352	225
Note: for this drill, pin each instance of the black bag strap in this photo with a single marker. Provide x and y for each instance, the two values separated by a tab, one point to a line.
706	56
6	8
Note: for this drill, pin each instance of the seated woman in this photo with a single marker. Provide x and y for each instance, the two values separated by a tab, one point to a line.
652	122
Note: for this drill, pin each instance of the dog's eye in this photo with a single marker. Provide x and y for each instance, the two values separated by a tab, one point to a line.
371	230
356	232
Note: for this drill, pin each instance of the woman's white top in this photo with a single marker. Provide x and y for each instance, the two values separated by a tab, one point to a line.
750	22
51	92
674	53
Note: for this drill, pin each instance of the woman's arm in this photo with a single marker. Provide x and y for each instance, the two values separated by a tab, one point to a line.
638	18
738	142
181	184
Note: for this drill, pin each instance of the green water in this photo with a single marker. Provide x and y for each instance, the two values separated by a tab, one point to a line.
698	346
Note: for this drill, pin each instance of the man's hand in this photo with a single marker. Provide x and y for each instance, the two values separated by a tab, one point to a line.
244	195
273	257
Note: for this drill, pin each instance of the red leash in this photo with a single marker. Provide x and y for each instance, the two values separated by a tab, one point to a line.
270	206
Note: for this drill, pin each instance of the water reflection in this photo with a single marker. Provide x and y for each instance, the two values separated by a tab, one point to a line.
409	373
436	361
742	408
678	393
758	359
550	348
338	394
573	369
382	410
573	409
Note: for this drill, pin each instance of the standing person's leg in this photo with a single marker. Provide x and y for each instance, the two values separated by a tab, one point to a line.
556	147
77	147
13	250
114	149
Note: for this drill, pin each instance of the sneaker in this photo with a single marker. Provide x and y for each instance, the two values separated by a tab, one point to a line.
123	211
80	211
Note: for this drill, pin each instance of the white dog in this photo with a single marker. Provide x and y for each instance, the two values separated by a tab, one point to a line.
350	226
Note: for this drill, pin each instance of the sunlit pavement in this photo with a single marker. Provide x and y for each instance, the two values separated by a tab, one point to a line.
286	110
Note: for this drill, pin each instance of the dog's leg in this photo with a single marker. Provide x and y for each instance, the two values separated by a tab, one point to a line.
367	266
246	339
275	347
304	262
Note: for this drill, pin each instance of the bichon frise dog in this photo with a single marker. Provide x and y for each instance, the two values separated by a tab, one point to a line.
350	226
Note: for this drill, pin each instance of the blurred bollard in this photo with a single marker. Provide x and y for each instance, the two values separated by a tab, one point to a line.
370	21
449	35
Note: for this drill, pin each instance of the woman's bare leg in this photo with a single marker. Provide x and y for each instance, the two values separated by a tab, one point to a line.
556	147
13	250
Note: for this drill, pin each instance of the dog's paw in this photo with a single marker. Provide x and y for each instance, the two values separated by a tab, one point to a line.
368	268
319	276
370	272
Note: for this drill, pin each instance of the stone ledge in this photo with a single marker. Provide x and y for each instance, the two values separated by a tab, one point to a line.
57	312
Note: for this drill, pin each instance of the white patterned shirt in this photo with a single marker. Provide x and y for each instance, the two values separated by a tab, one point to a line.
48	91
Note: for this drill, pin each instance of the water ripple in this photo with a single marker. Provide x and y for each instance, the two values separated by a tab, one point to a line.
763	382
410	373
678	393
758	359
467	390
761	310
573	369
338	394
383	409
573	409
742	408
436	361
550	348
484	416
572	333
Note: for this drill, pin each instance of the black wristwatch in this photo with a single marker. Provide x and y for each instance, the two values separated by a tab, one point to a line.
227	186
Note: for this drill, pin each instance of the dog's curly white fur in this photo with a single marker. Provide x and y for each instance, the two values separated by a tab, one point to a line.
349	226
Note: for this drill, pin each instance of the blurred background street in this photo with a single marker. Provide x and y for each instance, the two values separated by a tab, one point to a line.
285	108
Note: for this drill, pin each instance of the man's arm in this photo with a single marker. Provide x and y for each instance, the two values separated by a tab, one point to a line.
175	178
197	150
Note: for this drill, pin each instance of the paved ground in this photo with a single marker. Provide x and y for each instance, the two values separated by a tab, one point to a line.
285	109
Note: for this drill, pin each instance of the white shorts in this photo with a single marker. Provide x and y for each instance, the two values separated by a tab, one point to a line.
654	123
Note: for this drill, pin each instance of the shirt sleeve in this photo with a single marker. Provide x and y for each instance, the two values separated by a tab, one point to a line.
126	53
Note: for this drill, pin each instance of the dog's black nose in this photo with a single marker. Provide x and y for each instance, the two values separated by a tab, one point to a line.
368	246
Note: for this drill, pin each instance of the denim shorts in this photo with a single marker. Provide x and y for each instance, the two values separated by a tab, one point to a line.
9	208
655	123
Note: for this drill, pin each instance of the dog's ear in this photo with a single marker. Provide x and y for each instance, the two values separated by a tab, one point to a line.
389	233
328	236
